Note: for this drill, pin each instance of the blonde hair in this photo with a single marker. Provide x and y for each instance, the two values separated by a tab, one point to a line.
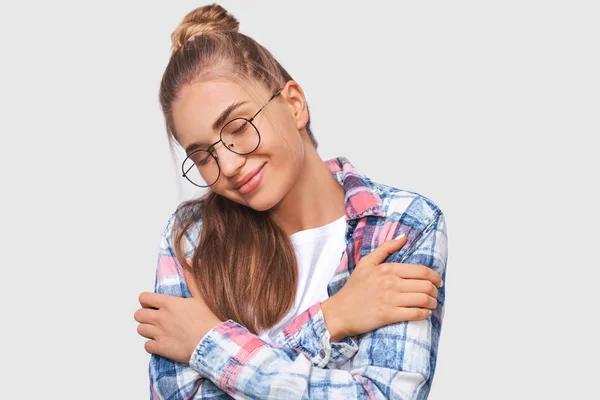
203	20
244	264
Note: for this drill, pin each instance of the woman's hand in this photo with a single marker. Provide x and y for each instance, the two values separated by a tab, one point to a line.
378	294
174	324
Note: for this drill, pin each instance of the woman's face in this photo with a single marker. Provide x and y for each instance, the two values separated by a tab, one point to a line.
280	154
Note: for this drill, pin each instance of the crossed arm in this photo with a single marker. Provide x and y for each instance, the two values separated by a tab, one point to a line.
394	361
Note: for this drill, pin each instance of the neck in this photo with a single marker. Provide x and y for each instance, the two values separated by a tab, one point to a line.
316	198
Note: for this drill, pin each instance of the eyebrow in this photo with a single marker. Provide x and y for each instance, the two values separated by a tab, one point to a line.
217	125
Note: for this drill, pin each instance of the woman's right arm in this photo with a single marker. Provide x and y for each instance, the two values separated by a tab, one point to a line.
174	380
170	379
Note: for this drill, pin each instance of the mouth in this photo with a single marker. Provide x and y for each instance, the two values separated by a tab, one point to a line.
251	181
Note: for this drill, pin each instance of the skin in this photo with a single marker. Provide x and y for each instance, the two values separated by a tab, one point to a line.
294	170
293	173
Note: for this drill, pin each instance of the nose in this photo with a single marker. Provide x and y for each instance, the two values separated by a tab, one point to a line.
229	162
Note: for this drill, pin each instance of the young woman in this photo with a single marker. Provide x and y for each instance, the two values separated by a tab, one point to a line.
283	280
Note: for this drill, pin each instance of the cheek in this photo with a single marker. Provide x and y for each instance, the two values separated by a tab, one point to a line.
286	168
282	132
285	143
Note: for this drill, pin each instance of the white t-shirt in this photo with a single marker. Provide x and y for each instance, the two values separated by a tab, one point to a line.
319	252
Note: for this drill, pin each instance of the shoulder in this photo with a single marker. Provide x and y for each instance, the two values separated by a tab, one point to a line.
186	215
420	218
169	272
407	207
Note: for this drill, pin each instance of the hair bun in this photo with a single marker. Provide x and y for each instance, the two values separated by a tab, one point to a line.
205	19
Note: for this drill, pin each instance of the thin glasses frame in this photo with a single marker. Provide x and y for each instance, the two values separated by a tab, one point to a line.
184	172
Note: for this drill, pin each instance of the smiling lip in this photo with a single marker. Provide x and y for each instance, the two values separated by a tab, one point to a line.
246	178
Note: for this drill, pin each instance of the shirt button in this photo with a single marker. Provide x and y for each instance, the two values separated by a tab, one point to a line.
322	353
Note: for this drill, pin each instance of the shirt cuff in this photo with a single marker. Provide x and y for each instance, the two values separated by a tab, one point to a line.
222	351
308	332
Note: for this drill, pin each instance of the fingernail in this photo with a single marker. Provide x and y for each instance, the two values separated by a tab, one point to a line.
400	237
442	283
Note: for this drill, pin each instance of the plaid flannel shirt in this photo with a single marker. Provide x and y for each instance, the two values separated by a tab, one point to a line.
396	361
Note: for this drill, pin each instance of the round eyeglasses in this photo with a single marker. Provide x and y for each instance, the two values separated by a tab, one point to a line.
239	135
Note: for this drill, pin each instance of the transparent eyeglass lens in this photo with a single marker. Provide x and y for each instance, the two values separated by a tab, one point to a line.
239	135
201	168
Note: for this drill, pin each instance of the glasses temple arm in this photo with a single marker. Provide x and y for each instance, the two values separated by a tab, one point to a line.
272	97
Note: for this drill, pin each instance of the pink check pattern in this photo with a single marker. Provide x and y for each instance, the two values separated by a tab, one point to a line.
396	361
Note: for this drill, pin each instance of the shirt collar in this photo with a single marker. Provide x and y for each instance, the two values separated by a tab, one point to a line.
361	196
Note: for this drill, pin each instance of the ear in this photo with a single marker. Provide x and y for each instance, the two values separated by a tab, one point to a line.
294	96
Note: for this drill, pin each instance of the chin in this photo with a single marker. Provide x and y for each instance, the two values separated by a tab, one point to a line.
262	203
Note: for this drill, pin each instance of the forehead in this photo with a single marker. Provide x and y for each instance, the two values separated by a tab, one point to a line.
199	104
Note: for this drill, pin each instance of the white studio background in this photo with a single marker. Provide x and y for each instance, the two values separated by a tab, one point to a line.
489	109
